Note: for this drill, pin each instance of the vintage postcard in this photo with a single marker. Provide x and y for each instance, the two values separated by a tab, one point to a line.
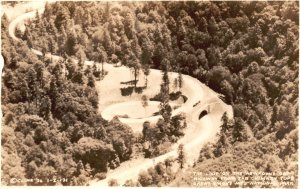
198	94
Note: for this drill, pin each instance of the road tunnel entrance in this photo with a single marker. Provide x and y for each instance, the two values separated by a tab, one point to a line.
202	114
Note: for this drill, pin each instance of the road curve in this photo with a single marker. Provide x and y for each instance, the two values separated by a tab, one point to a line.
196	134
20	20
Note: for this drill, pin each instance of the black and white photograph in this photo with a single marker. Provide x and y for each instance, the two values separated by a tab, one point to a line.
181	94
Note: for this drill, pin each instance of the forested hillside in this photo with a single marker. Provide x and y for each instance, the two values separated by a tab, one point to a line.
50	125
247	51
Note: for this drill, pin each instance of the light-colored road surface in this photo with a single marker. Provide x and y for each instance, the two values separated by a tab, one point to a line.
19	20
196	133
21	8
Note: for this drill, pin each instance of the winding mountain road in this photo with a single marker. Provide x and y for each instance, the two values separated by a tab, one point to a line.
196	134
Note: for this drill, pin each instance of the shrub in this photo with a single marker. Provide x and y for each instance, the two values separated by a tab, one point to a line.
100	176
113	182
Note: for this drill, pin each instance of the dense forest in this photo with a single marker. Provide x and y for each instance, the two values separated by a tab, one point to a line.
247	51
51	127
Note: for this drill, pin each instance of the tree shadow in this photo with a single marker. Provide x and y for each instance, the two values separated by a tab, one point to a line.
131	82
175	95
126	91
139	90
155	114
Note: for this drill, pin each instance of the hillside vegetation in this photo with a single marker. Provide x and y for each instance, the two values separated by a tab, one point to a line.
247	51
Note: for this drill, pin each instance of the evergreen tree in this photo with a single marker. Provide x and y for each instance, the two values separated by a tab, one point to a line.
165	108
134	59
221	146
32	84
101	58
146	55
107	11
4	22
91	81
238	128
180	80
45	109
53	94
107	43
175	84
135	66
81	56
146	70
37	17
181	156
225	124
